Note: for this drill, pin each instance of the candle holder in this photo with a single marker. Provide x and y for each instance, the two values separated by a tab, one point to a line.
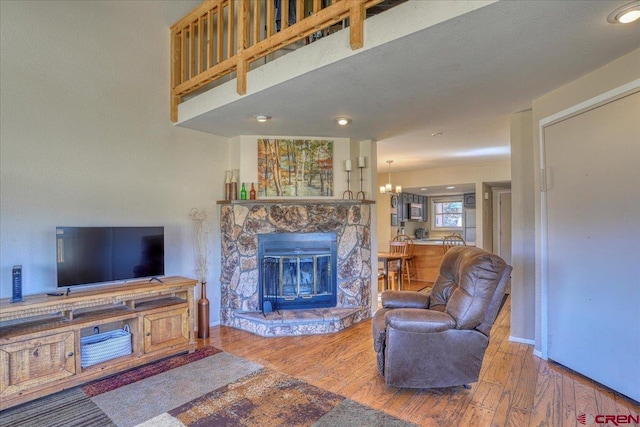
348	194
360	194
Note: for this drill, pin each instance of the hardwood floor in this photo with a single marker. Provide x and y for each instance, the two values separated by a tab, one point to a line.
515	387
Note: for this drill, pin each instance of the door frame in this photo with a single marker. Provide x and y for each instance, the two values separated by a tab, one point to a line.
542	256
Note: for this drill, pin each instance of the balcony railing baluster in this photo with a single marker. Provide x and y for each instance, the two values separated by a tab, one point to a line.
198	54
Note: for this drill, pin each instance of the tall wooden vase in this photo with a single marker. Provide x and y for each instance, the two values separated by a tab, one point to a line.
203	313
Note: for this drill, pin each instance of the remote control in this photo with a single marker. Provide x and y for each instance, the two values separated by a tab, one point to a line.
16	284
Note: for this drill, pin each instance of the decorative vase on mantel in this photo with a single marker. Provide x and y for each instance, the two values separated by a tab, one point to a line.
203	313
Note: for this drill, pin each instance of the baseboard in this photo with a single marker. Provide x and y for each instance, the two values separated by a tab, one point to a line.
532	343
521	340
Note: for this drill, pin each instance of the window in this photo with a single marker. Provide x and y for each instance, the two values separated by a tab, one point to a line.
447	213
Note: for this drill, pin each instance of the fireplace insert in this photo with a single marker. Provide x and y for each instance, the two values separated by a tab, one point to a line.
297	270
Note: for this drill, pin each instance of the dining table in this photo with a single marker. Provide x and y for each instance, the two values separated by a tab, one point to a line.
385	258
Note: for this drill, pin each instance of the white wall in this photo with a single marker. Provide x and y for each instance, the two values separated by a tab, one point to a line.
522	229
85	136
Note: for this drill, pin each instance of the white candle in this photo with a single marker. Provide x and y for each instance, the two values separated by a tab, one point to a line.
347	165
361	162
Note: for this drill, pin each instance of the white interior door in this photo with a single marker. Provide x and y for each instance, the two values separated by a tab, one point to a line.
504	230
593	243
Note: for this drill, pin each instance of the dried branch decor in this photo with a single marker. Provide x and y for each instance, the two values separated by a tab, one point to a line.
201	240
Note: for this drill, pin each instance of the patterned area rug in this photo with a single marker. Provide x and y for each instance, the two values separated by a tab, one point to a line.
205	388
102	386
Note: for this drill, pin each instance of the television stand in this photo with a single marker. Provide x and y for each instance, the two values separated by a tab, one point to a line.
40	350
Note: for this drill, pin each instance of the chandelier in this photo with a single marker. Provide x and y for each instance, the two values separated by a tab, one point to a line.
388	187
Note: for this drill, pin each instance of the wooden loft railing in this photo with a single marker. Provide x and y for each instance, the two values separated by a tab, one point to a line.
222	36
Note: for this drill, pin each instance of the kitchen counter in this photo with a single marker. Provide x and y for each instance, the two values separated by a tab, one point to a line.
427	256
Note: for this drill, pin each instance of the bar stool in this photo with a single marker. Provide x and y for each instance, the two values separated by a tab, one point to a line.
450	241
407	263
400	247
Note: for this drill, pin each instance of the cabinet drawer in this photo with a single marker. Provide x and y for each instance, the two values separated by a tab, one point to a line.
36	362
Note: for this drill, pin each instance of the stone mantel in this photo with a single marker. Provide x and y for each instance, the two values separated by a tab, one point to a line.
242	221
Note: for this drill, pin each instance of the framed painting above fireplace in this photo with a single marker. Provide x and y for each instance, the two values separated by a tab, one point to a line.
295	168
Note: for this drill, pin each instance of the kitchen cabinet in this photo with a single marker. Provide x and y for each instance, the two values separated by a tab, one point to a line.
424	201
408	199
469	200
405	199
470	225
403	213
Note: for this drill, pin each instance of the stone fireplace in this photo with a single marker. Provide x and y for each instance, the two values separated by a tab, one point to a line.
247	224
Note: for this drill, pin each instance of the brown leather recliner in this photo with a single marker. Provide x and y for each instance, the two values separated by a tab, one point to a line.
438	339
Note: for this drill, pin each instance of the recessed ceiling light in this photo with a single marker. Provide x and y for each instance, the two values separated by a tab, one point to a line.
451	187
625	14
262	118
436	134
343	121
423	189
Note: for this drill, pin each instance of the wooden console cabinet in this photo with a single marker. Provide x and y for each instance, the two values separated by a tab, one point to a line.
40	350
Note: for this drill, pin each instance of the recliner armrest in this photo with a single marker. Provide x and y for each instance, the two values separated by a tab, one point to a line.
405	299
419	320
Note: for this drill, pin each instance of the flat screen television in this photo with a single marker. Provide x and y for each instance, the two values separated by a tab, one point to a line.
94	255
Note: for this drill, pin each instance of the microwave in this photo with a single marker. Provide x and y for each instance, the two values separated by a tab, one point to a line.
415	211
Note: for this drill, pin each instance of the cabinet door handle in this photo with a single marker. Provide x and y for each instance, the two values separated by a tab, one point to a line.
70	354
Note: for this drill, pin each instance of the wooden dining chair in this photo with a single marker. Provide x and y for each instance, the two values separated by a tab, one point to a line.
450	241
396	247
407	263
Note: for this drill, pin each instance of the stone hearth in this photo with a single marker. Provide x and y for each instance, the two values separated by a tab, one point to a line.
242	221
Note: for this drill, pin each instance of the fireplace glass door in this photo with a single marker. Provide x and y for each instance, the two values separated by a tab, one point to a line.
297	274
